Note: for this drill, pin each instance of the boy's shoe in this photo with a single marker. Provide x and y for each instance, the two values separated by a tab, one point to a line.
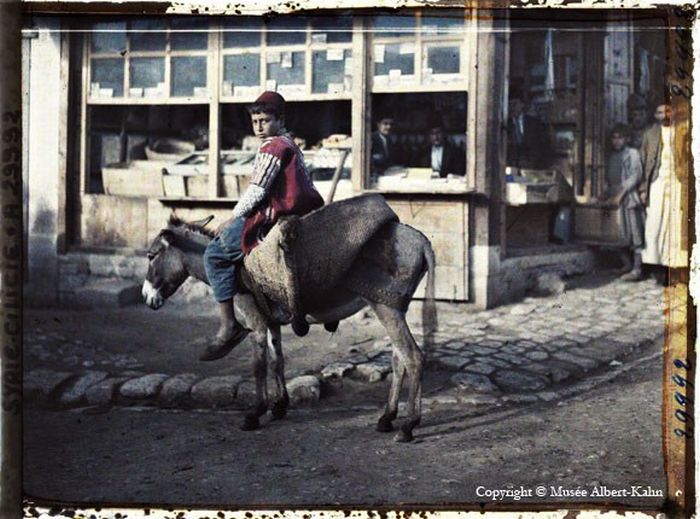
632	275
219	348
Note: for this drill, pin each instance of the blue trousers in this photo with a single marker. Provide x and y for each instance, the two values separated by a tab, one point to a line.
220	259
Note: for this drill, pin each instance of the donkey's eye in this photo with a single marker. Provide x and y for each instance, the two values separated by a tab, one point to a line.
150	256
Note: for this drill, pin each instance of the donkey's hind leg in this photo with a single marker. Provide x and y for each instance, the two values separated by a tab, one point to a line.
281	403
392	406
411	357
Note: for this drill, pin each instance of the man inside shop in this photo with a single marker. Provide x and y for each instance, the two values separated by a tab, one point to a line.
529	143
441	155
386	151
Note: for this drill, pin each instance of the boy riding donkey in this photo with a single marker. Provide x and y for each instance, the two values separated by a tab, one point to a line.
280	186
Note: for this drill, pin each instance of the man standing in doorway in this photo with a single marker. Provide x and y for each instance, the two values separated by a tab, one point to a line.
663	191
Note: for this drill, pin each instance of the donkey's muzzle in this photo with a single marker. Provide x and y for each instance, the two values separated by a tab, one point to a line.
151	296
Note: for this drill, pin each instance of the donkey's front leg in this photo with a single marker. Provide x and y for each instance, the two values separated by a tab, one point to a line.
252	419
281	403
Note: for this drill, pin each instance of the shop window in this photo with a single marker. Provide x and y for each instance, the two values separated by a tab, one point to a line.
241	32
331	29
241	74
332	71
189	34
189	76
286	31
422	51
162	57
107	78
403	157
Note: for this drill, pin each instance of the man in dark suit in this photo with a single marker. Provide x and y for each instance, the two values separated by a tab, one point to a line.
386	151
529	143
442	156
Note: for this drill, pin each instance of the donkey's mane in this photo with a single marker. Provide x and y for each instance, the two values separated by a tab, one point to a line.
174	221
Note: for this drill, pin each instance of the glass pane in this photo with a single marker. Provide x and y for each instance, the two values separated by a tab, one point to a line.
331	71
393	26
331	29
398	56
438	25
148	74
107	74
188	76
147	34
241	32
443	60
287	31
286	68
189	40
241	70
113	39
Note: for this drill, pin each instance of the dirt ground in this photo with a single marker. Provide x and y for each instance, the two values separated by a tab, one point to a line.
330	455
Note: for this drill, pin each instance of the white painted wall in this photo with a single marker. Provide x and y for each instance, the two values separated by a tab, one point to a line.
41	168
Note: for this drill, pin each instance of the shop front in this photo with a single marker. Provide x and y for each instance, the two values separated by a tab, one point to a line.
150	119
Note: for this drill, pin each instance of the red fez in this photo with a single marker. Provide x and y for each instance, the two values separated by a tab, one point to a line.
272	99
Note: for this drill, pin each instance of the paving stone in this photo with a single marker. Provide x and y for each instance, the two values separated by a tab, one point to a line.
374	371
581	362
176	389
246	393
499	363
600	352
473	382
143	387
455	345
42	382
554	371
304	389
76	391
482	350
356	359
481	368
512	348
104	391
514	381
548	396
215	391
452	362
509	357
337	370
491	343
537	355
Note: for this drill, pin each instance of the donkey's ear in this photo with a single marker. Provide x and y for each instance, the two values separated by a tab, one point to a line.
167	237
203	222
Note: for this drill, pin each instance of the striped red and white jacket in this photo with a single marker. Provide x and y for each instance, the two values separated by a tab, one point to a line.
280	170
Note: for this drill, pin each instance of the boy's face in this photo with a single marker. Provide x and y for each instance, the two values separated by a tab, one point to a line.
618	141
663	114
266	125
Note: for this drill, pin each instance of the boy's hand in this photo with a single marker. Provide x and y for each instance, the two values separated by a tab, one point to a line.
643	198
223	226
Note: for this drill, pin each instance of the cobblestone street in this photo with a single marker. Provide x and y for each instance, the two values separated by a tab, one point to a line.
518	353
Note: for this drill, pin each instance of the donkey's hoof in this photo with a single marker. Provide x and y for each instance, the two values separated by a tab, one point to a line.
331	327
279	409
384	425
300	327
403	436
250	423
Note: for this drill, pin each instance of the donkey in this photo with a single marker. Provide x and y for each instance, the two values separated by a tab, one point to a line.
177	253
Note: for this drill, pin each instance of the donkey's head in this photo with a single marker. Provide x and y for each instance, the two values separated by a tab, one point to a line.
168	267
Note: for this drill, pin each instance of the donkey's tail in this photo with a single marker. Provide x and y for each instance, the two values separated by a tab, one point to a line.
429	311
